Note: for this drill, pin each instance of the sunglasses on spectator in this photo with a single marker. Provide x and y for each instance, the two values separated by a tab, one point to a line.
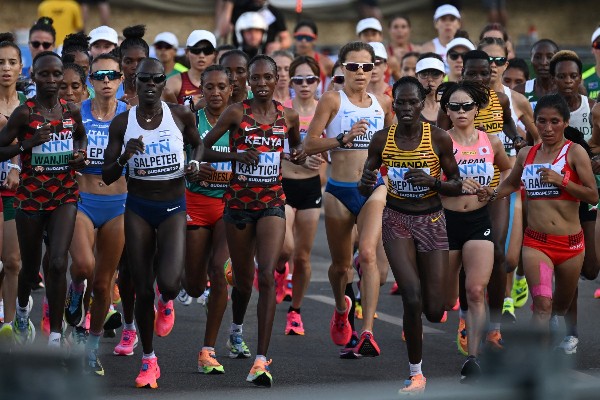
468	106
492	40
163	46
305	36
110	74
158	78
499	61
380	61
299	80
434	73
339	79
207	50
35	44
453	55
596	45
353	67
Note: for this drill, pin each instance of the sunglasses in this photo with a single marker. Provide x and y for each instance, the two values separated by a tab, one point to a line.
455	56
379	62
492	40
499	61
353	67
596	45
339	79
305	36
35	44
158	78
207	50
465	106
110	74
163	46
299	80
434	73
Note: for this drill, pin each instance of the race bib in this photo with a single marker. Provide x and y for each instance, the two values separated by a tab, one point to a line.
533	184
219	179
507	143
53	156
361	142
480	172
265	172
403	188
97	142
4	170
160	158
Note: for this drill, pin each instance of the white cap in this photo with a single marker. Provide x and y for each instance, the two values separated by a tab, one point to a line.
445	9
595	35
460	42
368	23
379	50
199	35
104	33
430	63
167	37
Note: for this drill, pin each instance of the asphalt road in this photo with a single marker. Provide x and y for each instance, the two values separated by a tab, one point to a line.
309	367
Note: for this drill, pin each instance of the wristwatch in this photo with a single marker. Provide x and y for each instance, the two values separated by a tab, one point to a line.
340	139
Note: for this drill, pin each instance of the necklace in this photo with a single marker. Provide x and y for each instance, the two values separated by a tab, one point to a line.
101	118
148	119
48	110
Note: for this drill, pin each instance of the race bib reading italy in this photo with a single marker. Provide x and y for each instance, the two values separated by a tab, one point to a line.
97	135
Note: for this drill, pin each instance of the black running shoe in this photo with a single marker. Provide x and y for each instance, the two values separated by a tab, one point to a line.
471	370
350	350
74	312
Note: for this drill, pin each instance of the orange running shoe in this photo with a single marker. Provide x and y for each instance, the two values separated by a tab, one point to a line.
597	294
494	340
457	305
228	270
260	374
208	364
339	327
116	295
461	337
165	318
149	373
415	387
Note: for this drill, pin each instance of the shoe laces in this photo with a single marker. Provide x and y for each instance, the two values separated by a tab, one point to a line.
262	365
75	300
80	336
22	323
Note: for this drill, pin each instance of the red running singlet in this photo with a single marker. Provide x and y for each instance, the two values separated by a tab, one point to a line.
187	88
256	187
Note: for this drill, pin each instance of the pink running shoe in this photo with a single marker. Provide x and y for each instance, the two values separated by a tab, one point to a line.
165	318
294	325
46	318
339	327
280	278
149	373
129	341
456	305
597	294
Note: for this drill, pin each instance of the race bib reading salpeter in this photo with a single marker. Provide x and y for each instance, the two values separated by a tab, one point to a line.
158	159
54	155
265	172
403	188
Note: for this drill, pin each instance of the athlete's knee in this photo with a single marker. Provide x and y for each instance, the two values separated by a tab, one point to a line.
216	276
434	312
57	264
266	280
338	268
589	270
542	306
475	293
302	261
12	265
368	257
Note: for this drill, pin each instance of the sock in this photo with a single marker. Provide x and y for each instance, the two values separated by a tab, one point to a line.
22	312
415	369
129	327
78	287
358	296
148	356
495	326
261	358
293	309
350	293
510	299
572	331
209	349
236	328
462	314
93	341
54	339
519	277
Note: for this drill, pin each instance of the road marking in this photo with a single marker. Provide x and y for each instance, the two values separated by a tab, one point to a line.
381	316
583	377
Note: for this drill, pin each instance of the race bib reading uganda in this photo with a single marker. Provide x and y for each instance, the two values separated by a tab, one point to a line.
533	183
54	155
375	123
162	157
400	187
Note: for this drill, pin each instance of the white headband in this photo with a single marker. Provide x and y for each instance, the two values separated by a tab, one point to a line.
430	63
595	35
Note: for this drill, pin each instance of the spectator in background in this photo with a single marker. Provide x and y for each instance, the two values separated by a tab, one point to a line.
591	77
42	37
496	30
454	57
408	65
103	39
370	8
517	73
496	11
378	85
66	15
251	33
278	38
447	22
103	7
165	45
305	37
369	30
400	44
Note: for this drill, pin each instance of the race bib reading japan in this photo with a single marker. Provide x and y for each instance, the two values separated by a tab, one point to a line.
97	141
403	188
480	171
265	172
533	183
54	155
361	142
159	158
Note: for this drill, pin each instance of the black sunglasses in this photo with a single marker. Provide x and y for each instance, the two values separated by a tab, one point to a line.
162	46
499	61
468	106
110	74
308	38
207	50
492	40
434	73
596	45
299	80
158	78
35	44
353	67
453	55
339	79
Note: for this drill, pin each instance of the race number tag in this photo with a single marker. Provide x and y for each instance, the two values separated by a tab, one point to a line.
361	142
54	155
265	172
403	188
533	182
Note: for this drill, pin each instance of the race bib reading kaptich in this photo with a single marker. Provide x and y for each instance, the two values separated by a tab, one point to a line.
266	171
54	155
533	183
403	188
361	142
159	158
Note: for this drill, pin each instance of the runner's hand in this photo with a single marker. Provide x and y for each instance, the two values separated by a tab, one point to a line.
205	171
369	178
314	162
249	157
191	173
484	193
41	135
78	162
596	166
359	128
12	180
470	186
297	155
519	143
134	146
418	177
550	176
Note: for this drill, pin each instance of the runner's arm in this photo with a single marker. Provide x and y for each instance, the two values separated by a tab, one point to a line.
586	191
113	159
15	124
228	121
526	118
453	185
511	184
500	158
373	162
326	108
509	128
594	141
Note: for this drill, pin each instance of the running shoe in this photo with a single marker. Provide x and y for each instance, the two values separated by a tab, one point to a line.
23	330
228	271
508	311
74	311
116	295
79	338
367	346
519	292
358	314
350	351
569	344
280	278
1	309
415	386
39	282
46	318
184	298
456	305
6	335
129	341
237	347
149	373
86	323
92	365
208	364
339	327
294	325
444	317
461	337
471	370
395	290
288	290
113	320
165	318
255	281
597	294
494	340
203	299
260	374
